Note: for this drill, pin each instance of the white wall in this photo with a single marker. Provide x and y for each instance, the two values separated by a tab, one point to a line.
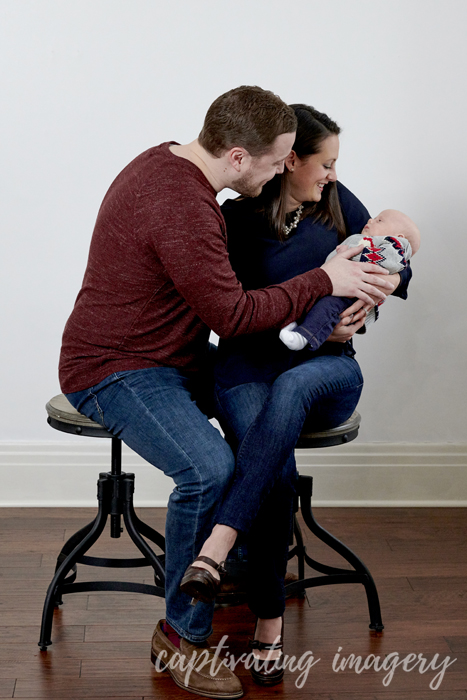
88	84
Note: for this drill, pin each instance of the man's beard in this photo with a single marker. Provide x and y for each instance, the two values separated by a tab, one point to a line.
245	186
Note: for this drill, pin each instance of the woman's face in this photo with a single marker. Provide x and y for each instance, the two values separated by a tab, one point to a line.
309	176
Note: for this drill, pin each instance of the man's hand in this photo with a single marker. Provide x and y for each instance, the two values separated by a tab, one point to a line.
355	279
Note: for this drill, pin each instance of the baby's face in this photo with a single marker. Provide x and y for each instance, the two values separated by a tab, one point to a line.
396	224
387	223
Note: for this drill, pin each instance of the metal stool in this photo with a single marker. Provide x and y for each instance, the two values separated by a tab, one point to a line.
115	498
346	432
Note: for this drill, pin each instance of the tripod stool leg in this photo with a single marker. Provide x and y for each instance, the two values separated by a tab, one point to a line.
54	589
67	548
374	608
131	523
300	548
149	532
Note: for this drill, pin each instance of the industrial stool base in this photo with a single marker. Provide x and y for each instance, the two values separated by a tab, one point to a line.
332	575
341	434
115	499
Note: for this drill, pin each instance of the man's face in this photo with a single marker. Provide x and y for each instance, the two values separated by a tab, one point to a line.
261	169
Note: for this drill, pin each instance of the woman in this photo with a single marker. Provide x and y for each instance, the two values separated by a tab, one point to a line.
265	391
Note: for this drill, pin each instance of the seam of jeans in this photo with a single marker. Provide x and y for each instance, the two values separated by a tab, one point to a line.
99	409
197	517
169	437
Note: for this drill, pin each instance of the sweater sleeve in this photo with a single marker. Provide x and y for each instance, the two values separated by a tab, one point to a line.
192	249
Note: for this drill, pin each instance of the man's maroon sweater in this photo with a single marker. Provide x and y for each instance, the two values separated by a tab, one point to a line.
159	279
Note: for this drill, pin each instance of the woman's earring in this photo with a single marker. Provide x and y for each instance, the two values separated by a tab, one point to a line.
291	170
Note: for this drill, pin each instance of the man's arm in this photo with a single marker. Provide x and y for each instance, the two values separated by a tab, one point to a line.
194	253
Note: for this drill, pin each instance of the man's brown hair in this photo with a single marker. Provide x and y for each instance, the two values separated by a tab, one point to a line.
247	116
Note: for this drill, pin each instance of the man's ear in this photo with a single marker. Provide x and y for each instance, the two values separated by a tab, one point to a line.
238	157
290	161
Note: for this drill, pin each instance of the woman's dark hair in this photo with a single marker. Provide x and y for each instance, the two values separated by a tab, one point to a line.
313	128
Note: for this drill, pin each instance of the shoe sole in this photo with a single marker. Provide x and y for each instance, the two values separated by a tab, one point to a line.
220	696
267	683
196	590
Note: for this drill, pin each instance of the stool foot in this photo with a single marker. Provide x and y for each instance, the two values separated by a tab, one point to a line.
55	587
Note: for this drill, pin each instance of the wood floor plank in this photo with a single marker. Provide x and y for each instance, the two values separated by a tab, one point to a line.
115	632
425	584
123	601
59	689
457	644
27	601
37	668
7	687
31	537
15	561
27	633
65	649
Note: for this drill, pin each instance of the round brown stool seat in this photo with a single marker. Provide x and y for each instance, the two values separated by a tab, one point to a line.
345	432
62	416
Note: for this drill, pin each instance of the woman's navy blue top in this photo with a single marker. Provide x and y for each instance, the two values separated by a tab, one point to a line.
259	260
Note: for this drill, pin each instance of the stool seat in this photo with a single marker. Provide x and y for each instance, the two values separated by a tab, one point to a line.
345	432
63	416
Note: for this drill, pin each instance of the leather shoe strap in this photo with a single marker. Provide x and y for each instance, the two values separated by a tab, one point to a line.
219	567
263	646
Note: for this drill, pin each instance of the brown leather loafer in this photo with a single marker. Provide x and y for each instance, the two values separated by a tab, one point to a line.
200	583
202	674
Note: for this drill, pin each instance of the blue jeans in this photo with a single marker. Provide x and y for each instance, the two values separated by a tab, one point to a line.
266	419
321	320
154	411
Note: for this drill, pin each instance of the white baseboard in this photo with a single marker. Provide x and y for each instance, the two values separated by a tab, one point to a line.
64	474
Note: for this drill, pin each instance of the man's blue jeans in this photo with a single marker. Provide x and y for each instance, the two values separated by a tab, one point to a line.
266	419
154	411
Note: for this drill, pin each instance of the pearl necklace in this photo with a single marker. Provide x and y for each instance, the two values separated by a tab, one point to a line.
286	230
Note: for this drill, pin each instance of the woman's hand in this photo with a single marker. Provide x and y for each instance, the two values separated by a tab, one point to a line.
395	279
355	279
352	319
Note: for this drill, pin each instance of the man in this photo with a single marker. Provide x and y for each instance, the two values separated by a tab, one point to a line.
135	348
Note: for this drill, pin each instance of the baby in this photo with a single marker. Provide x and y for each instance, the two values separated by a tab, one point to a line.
390	239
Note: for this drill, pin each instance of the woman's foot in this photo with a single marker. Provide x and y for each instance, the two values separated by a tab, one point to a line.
202	579
199	582
267	669
268	632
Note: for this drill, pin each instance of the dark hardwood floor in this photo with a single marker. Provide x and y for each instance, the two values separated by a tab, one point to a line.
101	641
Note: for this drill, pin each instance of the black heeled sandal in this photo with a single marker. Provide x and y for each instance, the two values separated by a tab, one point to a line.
269	672
200	583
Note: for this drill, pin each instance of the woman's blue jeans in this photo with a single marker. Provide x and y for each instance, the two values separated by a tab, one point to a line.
266	419
154	411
